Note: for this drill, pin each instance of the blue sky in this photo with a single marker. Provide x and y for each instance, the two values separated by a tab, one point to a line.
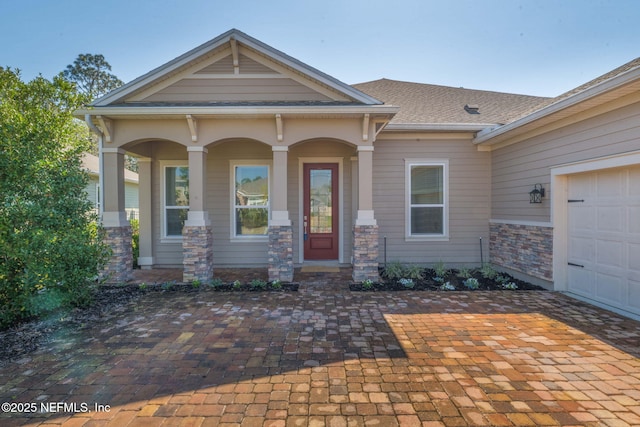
532	47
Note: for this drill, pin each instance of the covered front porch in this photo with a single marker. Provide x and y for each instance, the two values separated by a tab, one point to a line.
237	145
239	201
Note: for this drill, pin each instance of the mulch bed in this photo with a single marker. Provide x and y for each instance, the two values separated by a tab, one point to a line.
431	282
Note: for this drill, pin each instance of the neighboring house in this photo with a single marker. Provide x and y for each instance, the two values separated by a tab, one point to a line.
433	172
91	163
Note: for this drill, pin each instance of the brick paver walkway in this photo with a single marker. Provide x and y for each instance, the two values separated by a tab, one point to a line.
326	356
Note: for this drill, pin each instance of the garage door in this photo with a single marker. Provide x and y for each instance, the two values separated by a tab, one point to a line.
604	237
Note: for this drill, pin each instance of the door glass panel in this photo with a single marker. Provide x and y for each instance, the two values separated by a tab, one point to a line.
320	201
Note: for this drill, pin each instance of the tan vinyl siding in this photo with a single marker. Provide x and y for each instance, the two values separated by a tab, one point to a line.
517	167
249	66
236	90
469	200
222	66
225	66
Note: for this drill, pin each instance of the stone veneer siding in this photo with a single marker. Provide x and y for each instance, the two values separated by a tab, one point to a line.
365	253
524	248
281	253
120	265
197	250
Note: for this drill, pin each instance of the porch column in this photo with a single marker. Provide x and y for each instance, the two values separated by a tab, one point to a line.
280	228
197	235
365	229
145	242
114	217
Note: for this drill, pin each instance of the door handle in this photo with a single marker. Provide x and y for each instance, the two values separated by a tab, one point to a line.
305	236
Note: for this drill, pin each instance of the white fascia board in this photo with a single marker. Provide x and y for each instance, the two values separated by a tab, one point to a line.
613	83
204	111
438	127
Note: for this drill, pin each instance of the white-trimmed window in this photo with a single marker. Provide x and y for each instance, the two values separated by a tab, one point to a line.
250	199
426	183
175	200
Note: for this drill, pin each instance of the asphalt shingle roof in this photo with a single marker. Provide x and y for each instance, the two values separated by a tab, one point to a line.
425	103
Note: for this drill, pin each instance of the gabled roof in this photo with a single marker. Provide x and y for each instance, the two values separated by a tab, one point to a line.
197	64
599	92
426	104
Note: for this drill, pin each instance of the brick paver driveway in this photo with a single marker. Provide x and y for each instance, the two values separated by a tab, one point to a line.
326	356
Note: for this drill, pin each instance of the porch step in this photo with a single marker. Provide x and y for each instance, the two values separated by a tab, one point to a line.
319	269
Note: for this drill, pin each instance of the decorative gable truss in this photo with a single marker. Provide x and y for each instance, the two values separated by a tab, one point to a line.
235	69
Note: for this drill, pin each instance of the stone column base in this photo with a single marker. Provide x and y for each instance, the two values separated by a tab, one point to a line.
197	250
120	265
281	253
365	253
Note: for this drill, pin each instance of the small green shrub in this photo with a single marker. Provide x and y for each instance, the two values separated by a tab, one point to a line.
501	279
367	284
447	287
471	283
488	272
135	240
440	269
276	284
464	273
407	283
414	272
196	284
258	285
237	285
509	286
216	283
394	271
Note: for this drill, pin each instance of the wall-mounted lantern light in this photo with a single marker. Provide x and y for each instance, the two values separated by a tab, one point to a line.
536	195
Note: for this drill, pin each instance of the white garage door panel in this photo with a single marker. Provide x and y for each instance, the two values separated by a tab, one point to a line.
604	237
582	280
610	289
612	217
634	294
633	263
609	254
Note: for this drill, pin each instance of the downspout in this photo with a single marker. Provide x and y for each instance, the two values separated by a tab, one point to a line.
94	129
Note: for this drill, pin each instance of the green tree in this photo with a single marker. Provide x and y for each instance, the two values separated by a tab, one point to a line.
50	246
91	74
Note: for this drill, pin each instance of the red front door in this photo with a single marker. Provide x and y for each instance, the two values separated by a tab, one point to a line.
320	219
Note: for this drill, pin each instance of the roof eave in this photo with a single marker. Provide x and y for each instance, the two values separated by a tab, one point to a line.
226	111
548	114
438	127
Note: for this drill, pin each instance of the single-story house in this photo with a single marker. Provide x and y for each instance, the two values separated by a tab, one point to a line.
91	164
249	157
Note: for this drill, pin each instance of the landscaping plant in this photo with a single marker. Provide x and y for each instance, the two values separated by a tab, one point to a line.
50	246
